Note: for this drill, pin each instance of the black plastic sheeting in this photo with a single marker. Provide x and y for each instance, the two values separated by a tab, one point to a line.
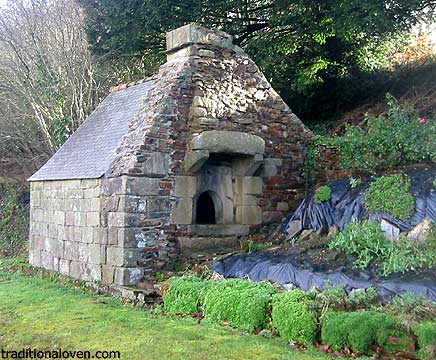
346	204
285	269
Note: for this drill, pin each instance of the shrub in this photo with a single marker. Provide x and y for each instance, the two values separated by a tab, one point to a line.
184	295
323	194
404	255
292	316
385	142
365	240
426	333
356	330
241	303
391	194
14	215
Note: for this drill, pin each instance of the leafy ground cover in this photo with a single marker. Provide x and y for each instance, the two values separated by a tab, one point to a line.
40	314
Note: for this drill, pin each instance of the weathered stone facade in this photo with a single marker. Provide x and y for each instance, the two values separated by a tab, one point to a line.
213	155
65	231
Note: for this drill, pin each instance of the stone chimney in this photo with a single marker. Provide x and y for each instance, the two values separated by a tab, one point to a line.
193	39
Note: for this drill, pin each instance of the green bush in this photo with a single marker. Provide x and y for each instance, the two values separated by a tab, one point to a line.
426	333
391	194
14	215
323	194
241	303
385	142
365	240
292	316
404	255
185	295
356	330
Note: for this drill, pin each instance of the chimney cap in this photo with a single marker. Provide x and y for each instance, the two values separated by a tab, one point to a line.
195	34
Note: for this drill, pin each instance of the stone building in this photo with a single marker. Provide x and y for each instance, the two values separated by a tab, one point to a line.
187	163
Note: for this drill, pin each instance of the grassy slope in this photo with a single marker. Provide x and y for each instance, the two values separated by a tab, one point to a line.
44	315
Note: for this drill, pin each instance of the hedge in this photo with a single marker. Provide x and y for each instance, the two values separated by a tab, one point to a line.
292	316
356	330
241	303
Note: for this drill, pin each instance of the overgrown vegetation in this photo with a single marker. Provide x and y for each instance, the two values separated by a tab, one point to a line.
323	194
293	317
391	194
14	223
426	334
366	241
356	330
398	138
336	298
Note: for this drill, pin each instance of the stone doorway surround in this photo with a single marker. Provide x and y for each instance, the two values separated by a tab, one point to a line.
223	163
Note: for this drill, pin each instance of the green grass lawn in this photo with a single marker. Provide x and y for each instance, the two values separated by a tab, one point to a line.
43	315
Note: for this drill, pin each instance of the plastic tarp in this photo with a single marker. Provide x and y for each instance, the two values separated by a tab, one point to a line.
285	269
346	204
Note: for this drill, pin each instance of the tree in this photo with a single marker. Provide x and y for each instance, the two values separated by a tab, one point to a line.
48	79
303	46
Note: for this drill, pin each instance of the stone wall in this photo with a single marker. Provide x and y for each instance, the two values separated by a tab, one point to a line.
328	166
202	87
65	232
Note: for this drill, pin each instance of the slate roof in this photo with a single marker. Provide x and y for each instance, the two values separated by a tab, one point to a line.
88	153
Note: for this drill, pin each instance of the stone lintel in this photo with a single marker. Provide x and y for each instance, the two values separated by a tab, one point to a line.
195	34
228	142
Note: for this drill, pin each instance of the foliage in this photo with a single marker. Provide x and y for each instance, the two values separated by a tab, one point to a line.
355	182
356	330
14	212
434	182
366	241
252	246
292	316
398	138
239	302
309	50
323	194
404	255
336	298
426	333
185	295
391	194
414	308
